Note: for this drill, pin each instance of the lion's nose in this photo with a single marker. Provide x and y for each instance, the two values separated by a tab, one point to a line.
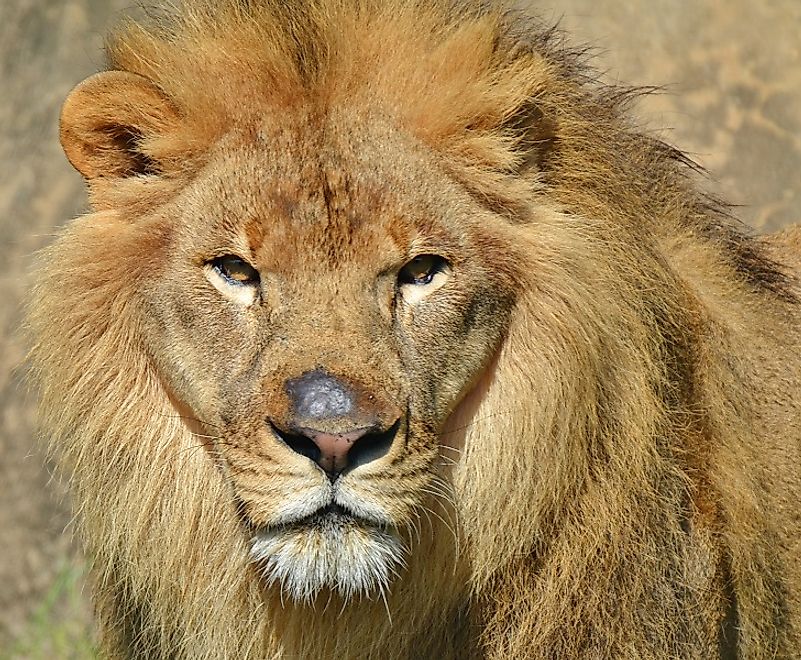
337	452
336	422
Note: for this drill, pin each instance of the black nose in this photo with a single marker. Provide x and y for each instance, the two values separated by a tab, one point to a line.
339	452
336	422
318	395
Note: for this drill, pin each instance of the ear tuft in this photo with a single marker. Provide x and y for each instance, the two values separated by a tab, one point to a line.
107	121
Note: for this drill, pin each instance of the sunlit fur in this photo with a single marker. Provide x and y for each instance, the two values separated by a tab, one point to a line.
622	481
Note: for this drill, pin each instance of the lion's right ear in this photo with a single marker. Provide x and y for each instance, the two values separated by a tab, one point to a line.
110	122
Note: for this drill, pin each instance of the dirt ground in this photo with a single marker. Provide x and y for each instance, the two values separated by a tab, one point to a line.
732	72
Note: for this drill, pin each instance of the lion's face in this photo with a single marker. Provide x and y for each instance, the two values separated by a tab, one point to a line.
320	308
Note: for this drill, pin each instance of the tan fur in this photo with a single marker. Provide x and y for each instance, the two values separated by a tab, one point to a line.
603	458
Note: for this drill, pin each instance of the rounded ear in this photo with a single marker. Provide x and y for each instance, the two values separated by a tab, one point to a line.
108	120
537	136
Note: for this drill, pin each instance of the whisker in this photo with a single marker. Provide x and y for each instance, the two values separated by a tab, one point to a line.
426	513
476	421
443	491
383	593
211	447
412	525
448	526
439	493
176	415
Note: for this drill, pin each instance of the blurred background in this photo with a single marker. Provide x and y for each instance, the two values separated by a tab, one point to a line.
732	76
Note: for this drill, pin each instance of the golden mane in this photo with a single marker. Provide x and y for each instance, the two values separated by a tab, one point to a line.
647	416
484	86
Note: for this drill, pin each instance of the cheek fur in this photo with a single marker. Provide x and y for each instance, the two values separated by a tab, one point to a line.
448	345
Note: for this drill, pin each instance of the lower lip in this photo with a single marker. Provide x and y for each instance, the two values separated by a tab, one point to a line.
330	513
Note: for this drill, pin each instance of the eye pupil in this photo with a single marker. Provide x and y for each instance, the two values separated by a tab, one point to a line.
236	270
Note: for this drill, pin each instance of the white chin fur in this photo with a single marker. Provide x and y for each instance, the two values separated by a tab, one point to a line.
331	552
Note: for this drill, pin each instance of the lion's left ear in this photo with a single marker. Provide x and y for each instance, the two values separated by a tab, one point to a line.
110	122
536	134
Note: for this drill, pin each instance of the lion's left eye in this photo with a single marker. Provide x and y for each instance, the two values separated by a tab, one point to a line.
422	269
421	276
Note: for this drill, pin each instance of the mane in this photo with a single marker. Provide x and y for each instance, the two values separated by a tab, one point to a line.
512	111
521	122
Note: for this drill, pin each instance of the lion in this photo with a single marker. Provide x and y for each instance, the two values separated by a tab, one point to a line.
389	335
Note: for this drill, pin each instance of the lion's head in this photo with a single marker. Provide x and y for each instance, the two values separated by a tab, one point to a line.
315	293
374	300
320	312
313	301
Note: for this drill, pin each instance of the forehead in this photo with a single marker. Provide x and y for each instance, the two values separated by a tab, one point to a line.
284	192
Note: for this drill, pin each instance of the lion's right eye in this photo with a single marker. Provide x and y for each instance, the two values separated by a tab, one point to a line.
237	271
234	277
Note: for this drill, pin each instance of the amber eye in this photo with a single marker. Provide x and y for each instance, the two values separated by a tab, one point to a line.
235	270
422	269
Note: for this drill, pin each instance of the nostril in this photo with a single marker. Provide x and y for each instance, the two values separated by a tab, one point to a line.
337	453
372	446
300	444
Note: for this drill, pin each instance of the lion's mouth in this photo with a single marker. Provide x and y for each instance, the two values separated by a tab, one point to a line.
333	516
328	513
332	511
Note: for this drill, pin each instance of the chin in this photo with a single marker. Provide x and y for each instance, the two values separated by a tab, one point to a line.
329	551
